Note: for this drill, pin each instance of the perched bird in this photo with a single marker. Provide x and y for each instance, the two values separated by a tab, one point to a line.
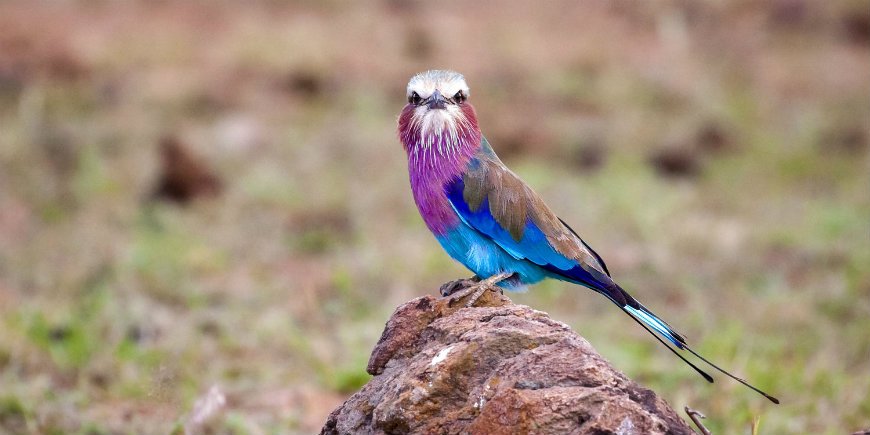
488	219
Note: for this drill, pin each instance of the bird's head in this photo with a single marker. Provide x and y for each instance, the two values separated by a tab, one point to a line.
438	116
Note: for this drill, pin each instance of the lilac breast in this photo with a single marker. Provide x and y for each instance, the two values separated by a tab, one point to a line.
427	186
434	160
430	172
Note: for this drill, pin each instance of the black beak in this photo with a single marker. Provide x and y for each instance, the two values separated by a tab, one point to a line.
436	101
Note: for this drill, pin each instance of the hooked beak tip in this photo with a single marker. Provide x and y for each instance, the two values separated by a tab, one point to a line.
436	101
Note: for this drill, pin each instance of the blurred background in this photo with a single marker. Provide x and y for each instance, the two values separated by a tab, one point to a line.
198	194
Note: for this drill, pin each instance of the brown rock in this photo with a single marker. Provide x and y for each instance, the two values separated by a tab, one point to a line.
497	368
676	161
184	176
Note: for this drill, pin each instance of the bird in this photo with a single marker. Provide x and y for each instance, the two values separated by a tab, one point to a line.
487	218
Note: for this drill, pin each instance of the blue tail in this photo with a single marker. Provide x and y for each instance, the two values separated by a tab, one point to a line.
658	325
603	284
647	319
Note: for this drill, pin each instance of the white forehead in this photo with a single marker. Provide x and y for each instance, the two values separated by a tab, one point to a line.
446	82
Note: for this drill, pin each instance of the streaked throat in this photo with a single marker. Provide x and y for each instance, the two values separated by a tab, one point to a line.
441	134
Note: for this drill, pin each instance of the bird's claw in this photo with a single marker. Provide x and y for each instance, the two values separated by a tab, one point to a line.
450	288
476	290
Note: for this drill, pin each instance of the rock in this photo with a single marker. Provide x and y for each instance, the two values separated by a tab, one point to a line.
676	161
497	368
184	177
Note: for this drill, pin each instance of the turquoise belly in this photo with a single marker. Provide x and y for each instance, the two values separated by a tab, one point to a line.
485	258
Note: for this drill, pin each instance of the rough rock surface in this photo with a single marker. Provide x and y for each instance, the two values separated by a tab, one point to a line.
497	368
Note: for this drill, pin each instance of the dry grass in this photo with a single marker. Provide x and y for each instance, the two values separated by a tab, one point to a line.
716	154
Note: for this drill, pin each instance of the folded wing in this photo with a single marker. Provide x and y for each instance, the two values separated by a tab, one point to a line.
497	203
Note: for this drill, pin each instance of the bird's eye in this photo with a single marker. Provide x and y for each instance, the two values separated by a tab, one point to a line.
414	98
459	97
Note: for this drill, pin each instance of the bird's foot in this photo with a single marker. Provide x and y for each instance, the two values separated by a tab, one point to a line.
449	288
477	290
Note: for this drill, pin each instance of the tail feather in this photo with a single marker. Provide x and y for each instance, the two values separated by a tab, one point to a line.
657	325
644	317
630	305
741	380
665	344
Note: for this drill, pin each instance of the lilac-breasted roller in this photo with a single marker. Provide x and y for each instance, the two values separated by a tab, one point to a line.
488	219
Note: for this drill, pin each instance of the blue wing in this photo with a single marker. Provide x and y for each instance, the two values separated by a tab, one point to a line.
534	245
533	233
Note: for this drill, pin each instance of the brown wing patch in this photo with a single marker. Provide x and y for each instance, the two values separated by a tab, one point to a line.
560	238
566	243
504	192
512	203
563	240
476	188
508	202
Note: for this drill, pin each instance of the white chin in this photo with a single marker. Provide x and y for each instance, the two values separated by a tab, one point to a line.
438	120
